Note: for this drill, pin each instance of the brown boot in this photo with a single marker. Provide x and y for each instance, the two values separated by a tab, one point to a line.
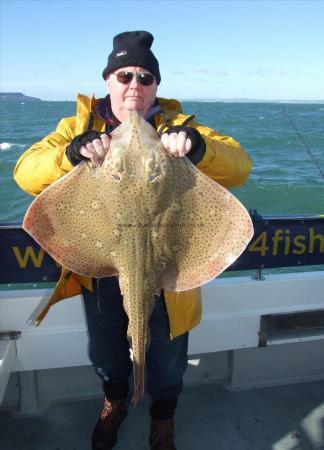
161	435
104	435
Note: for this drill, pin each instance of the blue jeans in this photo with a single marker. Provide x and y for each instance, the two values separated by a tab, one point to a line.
166	359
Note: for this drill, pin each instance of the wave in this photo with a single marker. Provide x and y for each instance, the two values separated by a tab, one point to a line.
9	145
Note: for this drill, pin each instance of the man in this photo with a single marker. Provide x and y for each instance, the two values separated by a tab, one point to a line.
132	77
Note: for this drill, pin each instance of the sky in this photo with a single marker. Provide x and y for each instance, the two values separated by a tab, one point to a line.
271	50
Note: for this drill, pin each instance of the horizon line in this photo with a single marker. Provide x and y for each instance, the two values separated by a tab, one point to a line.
196	99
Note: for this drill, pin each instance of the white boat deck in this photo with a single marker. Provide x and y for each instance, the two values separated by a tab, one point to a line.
246	388
208	417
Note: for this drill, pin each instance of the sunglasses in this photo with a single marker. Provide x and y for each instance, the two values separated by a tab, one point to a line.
145	79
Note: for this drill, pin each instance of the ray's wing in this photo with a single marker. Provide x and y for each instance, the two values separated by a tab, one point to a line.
209	231
71	221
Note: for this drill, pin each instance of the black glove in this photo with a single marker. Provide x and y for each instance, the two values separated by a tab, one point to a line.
198	145
73	149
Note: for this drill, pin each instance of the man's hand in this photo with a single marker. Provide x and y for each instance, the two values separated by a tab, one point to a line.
176	144
88	146
96	150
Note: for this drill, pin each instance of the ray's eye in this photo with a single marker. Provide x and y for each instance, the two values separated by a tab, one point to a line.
116	176
152	170
153	177
117	168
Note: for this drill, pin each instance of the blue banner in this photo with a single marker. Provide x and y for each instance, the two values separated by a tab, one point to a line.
283	241
277	242
23	260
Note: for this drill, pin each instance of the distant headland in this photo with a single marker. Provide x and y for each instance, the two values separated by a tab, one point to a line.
17	97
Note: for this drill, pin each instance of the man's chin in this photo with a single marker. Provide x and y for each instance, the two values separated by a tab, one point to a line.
134	102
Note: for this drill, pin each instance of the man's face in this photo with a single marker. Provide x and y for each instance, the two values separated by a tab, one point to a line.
133	95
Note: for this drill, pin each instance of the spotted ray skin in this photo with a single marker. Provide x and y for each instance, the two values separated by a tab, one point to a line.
152	219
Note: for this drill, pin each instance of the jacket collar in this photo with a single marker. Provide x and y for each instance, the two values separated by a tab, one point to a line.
104	111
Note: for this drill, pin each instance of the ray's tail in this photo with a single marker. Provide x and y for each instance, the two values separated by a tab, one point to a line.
140	338
139	348
138	290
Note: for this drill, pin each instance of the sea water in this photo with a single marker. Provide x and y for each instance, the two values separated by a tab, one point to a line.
285	179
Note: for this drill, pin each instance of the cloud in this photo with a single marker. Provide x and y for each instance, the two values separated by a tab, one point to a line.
300	72
221	73
277	72
199	80
265	72
203	71
210	71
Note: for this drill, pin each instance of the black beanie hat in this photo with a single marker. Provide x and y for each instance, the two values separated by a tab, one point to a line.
132	48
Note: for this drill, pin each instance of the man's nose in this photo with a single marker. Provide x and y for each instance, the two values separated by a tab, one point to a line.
134	82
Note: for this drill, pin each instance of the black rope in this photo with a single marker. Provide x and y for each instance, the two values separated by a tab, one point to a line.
314	160
168	122
90	124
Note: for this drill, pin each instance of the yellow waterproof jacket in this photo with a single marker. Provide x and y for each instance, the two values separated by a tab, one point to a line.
46	161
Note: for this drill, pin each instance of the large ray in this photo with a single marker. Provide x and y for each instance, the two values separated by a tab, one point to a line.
150	218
